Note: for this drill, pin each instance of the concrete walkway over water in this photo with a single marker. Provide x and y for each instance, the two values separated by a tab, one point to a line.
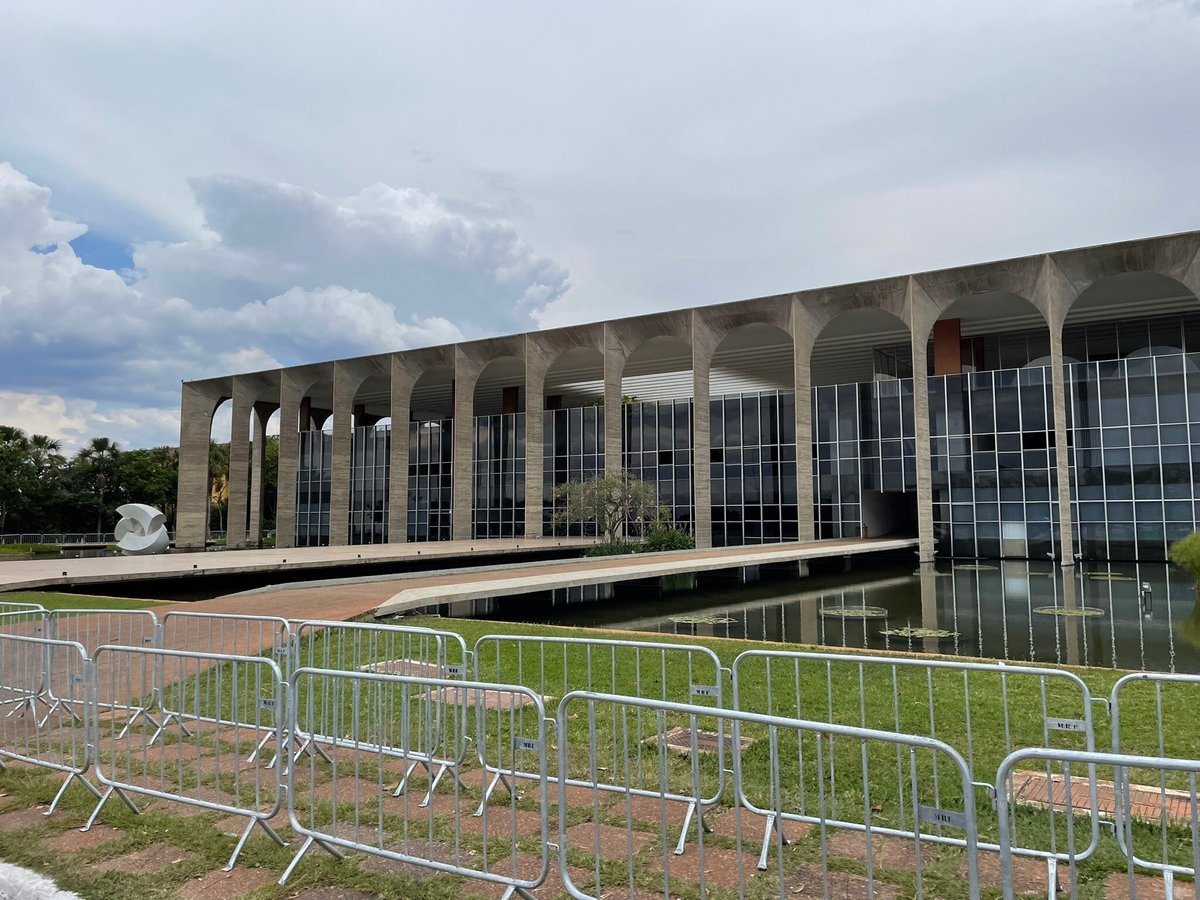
60	572
431	589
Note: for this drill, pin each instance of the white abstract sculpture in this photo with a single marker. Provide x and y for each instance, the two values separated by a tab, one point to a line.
142	530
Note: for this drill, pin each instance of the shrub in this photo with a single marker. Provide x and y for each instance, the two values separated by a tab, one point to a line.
663	537
611	548
1185	553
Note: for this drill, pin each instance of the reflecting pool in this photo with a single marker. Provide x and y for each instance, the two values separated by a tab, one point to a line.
1121	616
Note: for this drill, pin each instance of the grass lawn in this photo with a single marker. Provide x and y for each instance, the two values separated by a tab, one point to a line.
57	600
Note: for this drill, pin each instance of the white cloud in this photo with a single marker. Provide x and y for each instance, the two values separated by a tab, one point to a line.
280	275
405	246
74	420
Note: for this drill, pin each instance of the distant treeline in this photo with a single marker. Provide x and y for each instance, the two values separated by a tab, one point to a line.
42	491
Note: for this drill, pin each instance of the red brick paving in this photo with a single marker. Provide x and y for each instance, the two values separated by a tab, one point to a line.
1145	887
612	842
148	859
1145	803
221	885
75	841
809	881
1029	876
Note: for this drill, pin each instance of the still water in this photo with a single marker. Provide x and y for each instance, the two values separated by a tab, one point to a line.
1121	616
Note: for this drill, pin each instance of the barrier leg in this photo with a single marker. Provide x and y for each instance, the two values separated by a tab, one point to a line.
66	784
139	713
442	770
237	851
766	841
517	892
104	799
487	794
692	809
167	720
304	848
407	774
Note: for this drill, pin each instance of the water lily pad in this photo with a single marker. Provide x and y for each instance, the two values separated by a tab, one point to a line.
702	620
854	612
909	632
1070	612
1109	576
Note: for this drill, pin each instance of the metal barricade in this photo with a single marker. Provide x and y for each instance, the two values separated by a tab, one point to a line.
983	710
374	719
1170	820
390	650
1155	714
555	666
94	628
232	700
226	633
30	620
29	668
634	861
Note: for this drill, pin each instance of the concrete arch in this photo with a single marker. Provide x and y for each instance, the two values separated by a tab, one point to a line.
986	313
1154	292
500	387
575	377
757	356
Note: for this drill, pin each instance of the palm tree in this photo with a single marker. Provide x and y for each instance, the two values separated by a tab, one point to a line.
14	458
101	455
218	480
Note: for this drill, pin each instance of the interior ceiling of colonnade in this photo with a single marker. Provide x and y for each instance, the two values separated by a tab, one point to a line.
506	372
1133	294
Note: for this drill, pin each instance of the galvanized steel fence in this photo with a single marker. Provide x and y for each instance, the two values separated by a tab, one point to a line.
648	750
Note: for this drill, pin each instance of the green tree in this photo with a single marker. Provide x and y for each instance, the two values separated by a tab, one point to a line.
151	476
100	460
15	472
1185	553
611	502
218	482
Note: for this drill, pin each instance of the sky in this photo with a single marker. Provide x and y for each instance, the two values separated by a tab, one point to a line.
196	189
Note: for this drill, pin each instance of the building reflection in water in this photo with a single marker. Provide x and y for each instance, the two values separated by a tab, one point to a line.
1123	616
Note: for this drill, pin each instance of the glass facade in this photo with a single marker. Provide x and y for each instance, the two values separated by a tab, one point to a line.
312	489
369	467
753	468
573	451
1136	454
993	464
658	450
863	450
499	498
1133	409
430	480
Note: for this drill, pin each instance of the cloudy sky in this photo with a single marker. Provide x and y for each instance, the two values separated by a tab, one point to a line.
193	189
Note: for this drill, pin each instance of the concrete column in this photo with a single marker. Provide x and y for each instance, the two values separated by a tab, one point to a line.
802	348
346	381
291	398
920	355
704	344
537	364
614	414
1062	459
197	405
402	381
258	455
239	464
466	374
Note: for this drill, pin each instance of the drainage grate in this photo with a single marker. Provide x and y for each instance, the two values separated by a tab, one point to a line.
680	741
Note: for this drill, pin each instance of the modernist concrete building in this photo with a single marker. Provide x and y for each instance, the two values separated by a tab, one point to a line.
958	405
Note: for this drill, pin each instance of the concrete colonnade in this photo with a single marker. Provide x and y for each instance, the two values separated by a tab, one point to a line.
1050	283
